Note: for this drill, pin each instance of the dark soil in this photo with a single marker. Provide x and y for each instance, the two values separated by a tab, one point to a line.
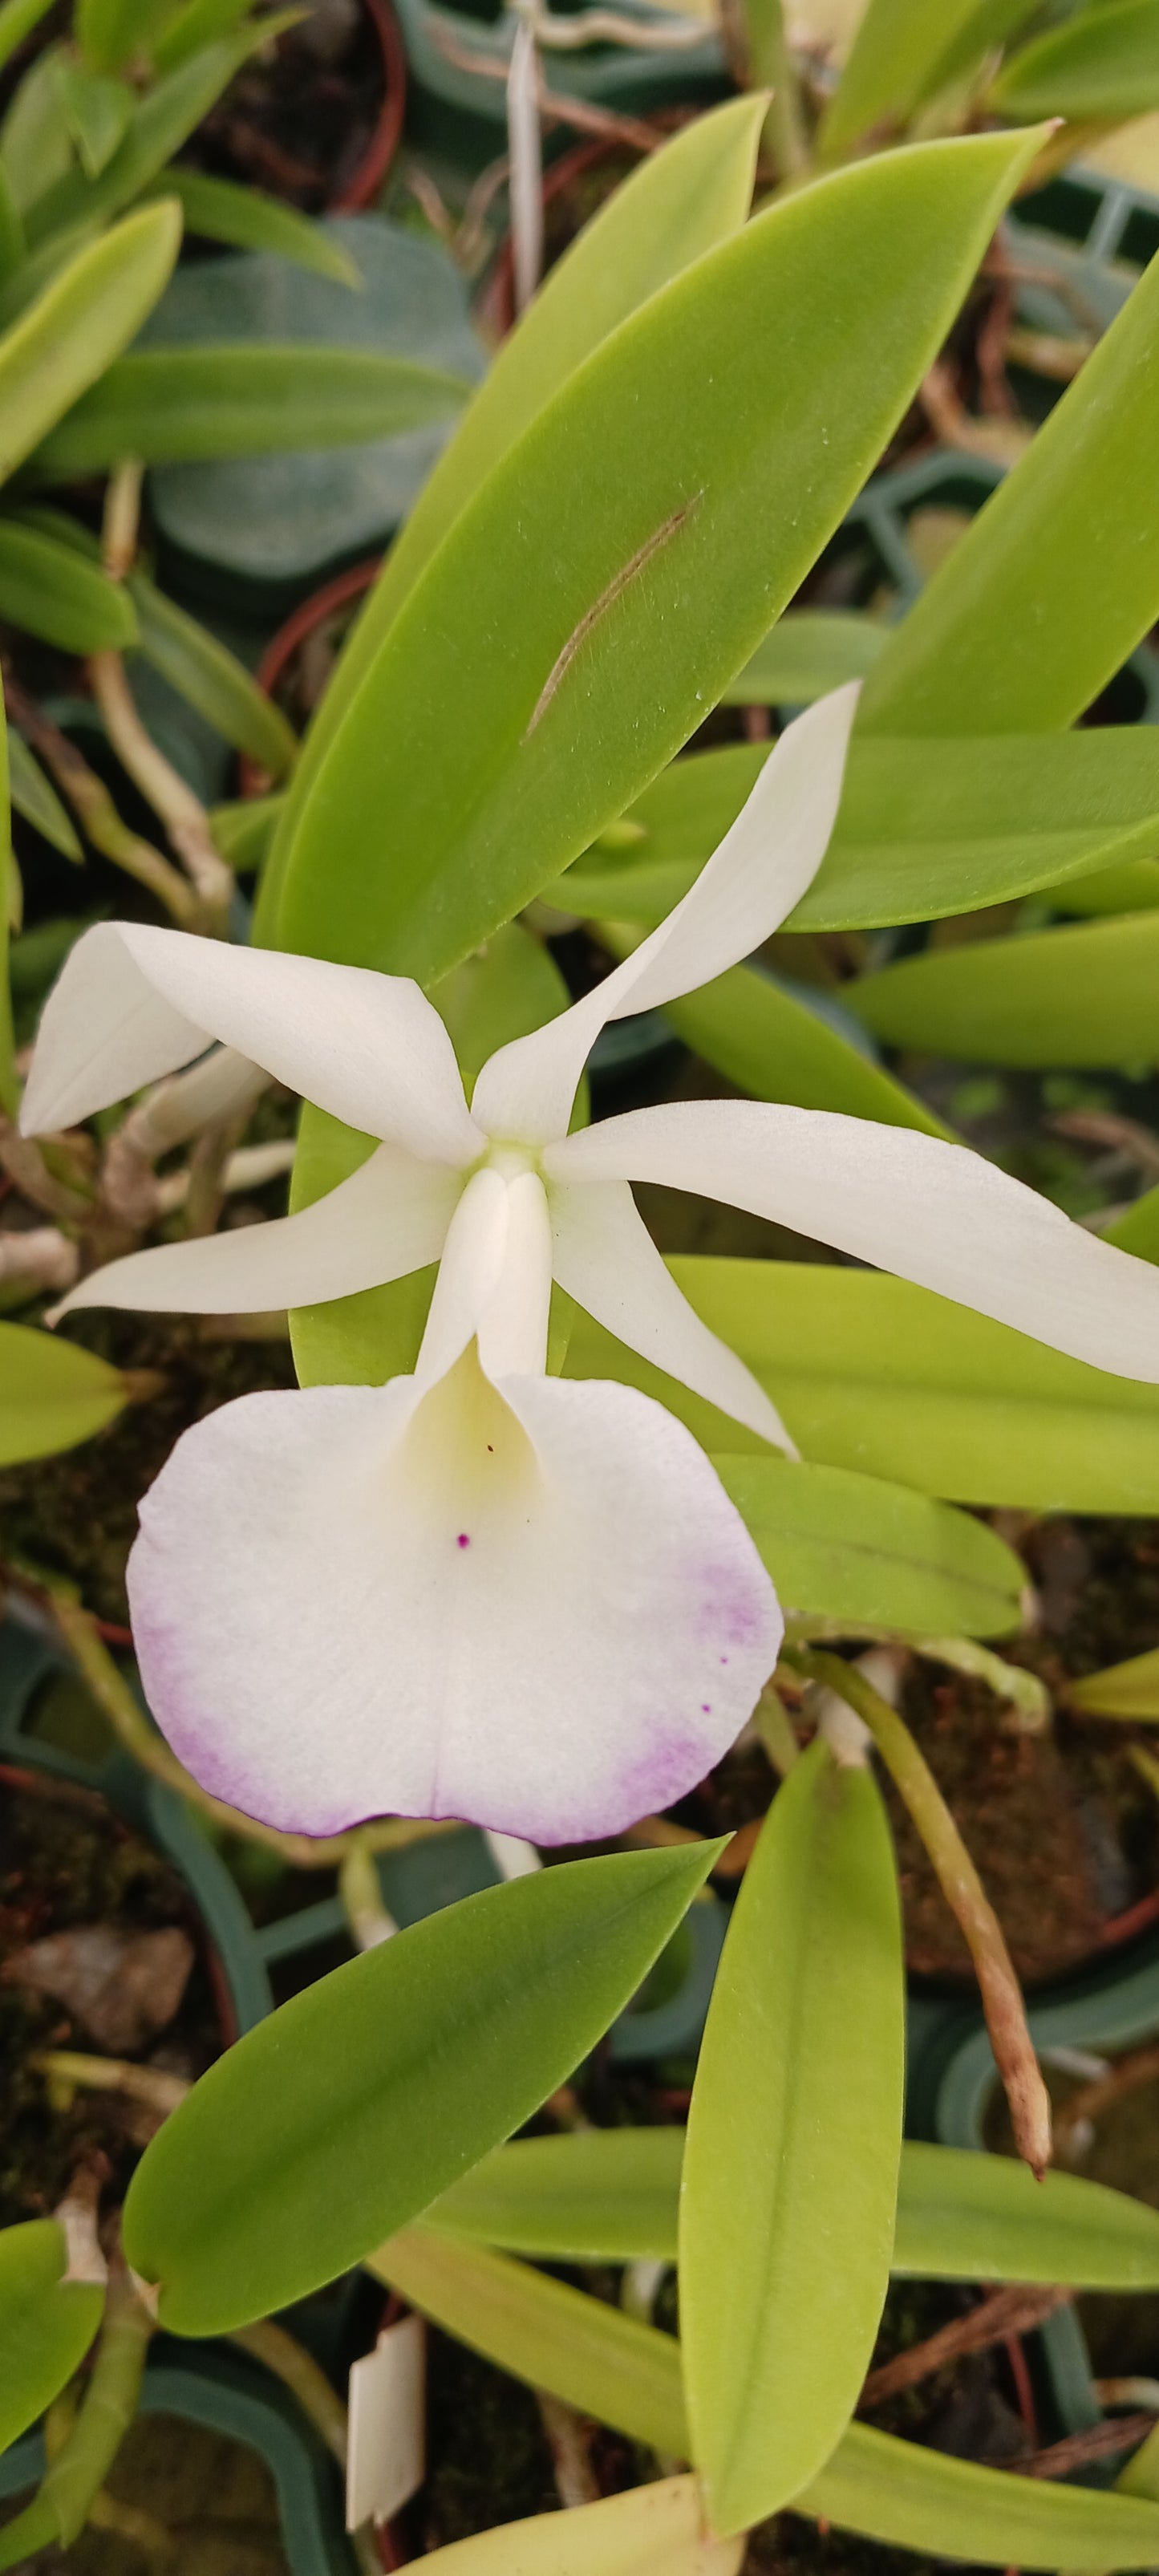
297	121
67	1861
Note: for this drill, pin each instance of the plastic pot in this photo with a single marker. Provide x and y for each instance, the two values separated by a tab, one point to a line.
220	2392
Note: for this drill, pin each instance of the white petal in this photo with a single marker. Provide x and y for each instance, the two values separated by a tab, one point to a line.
931	1212
133	1003
531	1606
604	1256
762	868
390	1217
494	1281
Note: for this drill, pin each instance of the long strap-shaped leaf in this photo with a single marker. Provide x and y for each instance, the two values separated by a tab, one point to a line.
80	322
627	555
192	405
628	2375
1058	577
790	2172
612	2196
680	203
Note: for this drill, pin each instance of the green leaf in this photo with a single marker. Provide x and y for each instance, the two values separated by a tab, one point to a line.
1104	65
646	2530
1084	995
159	126
612	2196
594	2196
680	202
9	883
527	690
65	340
111	32
97	110
847	1547
248	220
243	831
1133	887
210	677
46	2322
1056	580
872	1373
12	245
808	652
1137	1229
1124	1690
901	53
53	1394
34	797
340	2117
778	1048
788	2194
17	20
35	144
500	994
599	2360
52	592
183	406
191	28
628	2375
924	829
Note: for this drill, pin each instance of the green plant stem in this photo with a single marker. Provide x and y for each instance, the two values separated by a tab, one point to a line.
132	1729
66	2071
960	1884
60	2507
1022	1691
280	2353
771	67
361	1894
772	1722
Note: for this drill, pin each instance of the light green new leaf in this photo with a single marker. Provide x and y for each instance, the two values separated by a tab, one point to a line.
1104	65
776	1048
1129	1690
159	126
680	202
46	2323
794	2133
1084	995
53	1394
1057	578
81	321
341	2116
612	2196
508	989
9	885
248	220
654	2530
52	592
924	829
628	2375
902	51
39	803
873	1373
529	688
181	406
97	110
808	652
845	1547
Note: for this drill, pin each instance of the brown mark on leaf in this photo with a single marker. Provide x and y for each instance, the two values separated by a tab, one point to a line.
628	572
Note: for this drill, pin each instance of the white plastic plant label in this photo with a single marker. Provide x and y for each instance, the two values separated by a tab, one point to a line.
386	2452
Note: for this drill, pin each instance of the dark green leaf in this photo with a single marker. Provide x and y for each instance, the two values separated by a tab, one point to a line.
1103	66
176	406
352	2107
52	592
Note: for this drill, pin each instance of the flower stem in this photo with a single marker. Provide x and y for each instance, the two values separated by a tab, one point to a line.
61	2505
1001	1993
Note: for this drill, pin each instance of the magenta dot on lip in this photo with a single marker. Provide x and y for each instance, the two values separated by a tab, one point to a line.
462	1540
705	1708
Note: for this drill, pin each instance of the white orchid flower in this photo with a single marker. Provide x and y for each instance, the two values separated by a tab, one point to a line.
481	1591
